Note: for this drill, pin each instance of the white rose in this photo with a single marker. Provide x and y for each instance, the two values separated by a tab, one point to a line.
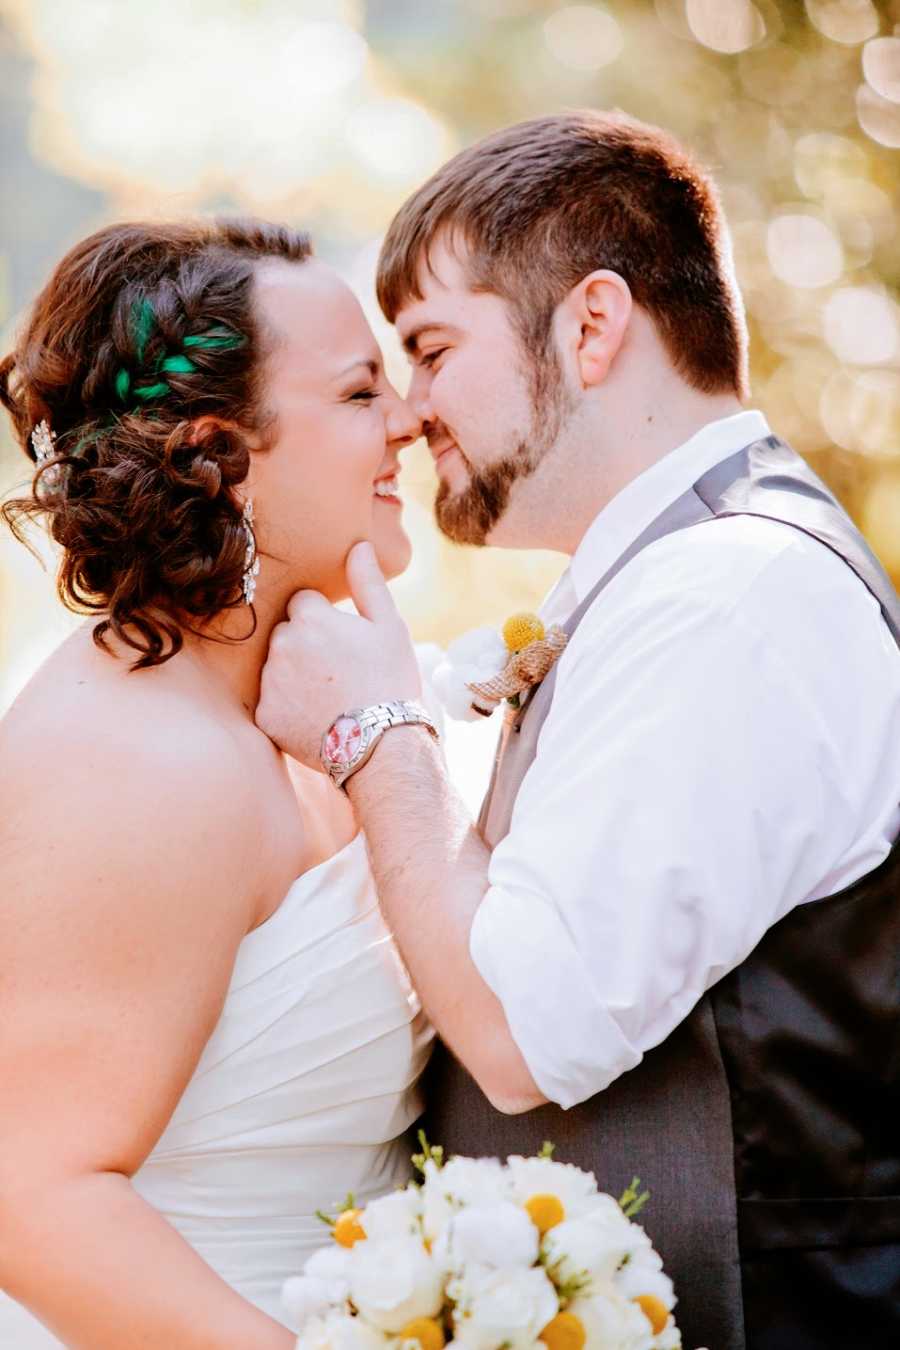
500	1236
304	1296
472	659
502	1308
576	1190
612	1322
330	1263
394	1281
595	1244
643	1274
460	1182
393	1216
339	1331
669	1338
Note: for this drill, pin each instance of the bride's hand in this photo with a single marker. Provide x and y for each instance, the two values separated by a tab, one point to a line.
323	662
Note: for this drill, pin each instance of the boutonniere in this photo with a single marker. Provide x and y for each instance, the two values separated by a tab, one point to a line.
484	668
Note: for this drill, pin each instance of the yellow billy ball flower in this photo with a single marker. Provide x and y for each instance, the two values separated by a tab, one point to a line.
655	1311
545	1211
565	1332
521	630
426	1331
348	1229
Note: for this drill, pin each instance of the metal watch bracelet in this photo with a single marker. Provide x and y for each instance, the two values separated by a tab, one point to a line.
371	723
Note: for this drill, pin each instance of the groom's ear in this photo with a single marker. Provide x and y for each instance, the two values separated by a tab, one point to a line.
594	317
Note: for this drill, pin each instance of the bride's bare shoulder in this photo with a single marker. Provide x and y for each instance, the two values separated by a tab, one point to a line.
88	736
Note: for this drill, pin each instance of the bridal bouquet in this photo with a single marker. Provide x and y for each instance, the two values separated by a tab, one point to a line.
526	1256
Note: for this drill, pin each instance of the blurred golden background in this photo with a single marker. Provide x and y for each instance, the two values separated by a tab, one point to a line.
326	113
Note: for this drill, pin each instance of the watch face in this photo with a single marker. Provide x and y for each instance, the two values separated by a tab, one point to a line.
343	742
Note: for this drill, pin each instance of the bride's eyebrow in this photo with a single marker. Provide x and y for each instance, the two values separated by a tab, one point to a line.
371	365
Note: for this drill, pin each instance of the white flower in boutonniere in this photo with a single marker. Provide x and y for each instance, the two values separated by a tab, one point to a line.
483	668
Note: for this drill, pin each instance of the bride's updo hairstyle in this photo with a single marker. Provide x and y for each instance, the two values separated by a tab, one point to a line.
141	330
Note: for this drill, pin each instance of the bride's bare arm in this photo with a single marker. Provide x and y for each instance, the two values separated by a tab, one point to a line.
124	898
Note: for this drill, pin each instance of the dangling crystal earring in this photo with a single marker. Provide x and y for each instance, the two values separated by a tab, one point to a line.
251	559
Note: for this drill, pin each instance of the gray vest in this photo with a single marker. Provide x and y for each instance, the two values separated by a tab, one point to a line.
675	1120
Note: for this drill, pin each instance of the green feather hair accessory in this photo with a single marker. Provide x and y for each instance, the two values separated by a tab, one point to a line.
143	321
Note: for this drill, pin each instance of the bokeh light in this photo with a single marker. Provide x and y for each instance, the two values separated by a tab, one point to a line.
879	117
725	25
847	21
583	37
881	67
397	140
862	326
803	251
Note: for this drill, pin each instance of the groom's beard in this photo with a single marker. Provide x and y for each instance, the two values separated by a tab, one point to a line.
469	516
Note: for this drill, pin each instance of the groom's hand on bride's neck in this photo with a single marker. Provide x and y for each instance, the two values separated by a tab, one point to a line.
323	662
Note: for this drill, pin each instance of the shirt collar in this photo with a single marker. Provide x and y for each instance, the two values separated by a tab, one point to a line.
629	513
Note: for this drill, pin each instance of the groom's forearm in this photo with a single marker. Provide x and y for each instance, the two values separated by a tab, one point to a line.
431	872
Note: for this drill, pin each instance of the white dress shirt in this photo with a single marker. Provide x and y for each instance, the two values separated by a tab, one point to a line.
723	745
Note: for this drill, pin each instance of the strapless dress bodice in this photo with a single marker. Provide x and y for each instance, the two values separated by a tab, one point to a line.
304	1091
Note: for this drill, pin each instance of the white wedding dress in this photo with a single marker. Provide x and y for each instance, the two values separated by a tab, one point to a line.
303	1092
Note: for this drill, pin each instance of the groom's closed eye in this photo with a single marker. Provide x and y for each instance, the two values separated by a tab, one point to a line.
415	340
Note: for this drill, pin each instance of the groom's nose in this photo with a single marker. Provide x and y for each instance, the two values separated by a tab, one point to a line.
418	396
403	424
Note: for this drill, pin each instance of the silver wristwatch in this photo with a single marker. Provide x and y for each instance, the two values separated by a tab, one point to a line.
348	743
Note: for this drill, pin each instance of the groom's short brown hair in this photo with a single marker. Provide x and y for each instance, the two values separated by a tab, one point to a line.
541	204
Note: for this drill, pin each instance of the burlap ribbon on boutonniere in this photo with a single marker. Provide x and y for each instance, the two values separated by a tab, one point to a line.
533	653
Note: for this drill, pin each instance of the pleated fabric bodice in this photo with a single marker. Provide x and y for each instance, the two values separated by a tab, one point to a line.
303	1092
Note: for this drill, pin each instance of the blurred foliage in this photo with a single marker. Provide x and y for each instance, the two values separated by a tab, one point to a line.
327	114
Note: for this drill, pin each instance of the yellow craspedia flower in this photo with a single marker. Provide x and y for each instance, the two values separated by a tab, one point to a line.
655	1311
426	1331
565	1332
522	629
348	1229
545	1212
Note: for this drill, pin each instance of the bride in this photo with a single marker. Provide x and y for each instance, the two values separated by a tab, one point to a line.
206	1032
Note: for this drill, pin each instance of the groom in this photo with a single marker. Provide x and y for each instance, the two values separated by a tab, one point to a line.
678	917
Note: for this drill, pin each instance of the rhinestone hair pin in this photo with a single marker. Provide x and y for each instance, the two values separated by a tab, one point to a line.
43	442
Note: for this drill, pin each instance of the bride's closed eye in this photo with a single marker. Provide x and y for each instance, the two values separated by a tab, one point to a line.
364	396
429	358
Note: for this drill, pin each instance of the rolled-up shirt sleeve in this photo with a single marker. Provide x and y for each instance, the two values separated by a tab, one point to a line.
692	784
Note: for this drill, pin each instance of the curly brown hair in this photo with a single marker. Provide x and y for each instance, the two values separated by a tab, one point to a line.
142	330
